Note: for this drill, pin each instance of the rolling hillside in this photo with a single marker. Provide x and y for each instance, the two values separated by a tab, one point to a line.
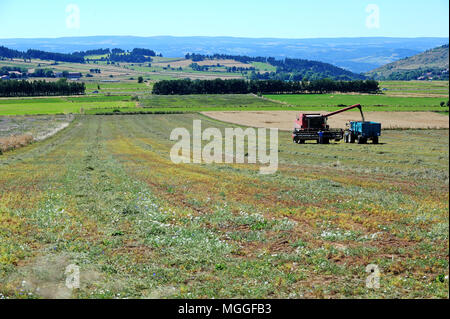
429	65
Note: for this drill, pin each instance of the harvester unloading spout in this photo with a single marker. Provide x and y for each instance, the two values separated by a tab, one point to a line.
347	109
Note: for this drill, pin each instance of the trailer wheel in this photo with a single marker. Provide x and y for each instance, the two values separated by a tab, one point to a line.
352	138
301	141
362	140
375	140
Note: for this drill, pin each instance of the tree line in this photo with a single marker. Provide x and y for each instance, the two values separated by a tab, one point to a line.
240	58
92	52
38	73
196	67
62	57
235	69
129	58
235	86
10	53
40	88
137	55
136	51
5	70
42	55
287	69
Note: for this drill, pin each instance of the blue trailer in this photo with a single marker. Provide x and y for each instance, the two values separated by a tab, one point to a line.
362	132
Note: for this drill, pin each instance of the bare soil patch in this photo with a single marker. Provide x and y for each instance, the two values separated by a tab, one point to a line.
284	120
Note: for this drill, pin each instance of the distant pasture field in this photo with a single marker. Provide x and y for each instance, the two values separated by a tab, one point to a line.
113	87
113	96
225	102
416	88
211	100
370	102
61	105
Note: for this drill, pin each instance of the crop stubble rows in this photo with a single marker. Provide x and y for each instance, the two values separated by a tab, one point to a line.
104	194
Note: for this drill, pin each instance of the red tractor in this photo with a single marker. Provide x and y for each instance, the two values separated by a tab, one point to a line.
314	127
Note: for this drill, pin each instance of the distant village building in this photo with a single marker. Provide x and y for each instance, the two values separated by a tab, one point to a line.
15	72
69	75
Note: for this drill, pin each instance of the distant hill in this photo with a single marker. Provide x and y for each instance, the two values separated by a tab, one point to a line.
358	55
429	65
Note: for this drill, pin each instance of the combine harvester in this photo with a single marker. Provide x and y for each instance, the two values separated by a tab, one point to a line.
314	127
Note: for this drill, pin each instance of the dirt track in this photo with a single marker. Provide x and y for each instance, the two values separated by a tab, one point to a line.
284	120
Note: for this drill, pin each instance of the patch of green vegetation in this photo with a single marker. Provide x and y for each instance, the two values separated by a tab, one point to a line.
200	101
411	88
111	98
369	102
99	104
120	86
263	67
62	105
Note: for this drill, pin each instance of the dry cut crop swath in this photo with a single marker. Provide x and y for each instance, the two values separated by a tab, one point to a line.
14	142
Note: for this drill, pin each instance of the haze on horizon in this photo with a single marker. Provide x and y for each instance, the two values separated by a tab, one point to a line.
251	18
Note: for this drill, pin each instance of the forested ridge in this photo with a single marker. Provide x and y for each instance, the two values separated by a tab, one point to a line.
286	69
42	55
137	55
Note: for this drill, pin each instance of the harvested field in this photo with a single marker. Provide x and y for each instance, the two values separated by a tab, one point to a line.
284	120
104	195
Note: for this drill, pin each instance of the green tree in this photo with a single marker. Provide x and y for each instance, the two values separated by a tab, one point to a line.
140	79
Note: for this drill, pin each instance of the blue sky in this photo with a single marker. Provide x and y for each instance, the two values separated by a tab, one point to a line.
239	18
